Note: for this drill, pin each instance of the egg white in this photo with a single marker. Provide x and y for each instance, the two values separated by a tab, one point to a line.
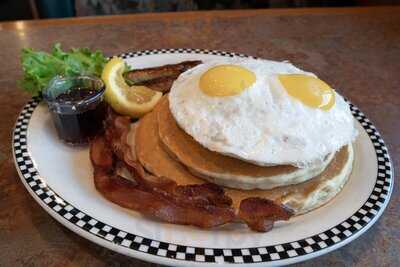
262	124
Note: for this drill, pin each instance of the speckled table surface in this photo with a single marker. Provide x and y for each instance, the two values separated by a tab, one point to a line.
356	50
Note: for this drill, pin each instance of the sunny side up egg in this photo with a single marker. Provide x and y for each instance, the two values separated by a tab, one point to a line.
261	111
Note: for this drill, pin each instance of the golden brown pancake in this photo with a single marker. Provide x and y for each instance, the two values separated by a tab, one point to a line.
309	195
221	169
300	197
153	157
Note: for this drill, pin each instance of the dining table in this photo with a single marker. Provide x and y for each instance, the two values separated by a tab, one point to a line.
354	49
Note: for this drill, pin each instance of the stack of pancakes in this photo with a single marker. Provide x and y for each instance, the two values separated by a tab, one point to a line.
165	150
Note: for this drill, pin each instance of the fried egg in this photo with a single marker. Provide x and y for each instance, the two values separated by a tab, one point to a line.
264	112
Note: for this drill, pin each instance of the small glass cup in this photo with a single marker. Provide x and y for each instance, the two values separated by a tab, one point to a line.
77	107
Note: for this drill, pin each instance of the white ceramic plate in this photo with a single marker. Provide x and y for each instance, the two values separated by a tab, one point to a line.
60	179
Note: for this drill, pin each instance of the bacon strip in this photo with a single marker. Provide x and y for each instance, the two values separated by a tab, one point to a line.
202	205
116	131
165	205
260	213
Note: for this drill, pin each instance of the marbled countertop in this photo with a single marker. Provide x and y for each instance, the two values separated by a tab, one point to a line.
356	50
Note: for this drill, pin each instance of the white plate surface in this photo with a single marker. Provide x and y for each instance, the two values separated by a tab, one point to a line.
60	180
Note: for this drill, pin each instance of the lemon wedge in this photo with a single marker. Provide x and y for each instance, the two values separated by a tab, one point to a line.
133	101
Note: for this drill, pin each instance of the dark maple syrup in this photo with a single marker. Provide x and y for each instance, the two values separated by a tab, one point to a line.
77	107
77	128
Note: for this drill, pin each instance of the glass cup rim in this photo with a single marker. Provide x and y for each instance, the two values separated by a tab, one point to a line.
50	99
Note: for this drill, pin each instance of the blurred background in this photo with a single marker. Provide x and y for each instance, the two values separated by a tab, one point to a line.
38	9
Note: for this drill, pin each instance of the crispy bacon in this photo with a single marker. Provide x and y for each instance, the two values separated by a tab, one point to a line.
168	204
116	131
204	193
203	205
100	154
260	213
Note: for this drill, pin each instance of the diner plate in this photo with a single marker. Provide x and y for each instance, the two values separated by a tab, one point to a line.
60	179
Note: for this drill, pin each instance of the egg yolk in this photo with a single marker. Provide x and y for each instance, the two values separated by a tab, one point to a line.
226	80
311	91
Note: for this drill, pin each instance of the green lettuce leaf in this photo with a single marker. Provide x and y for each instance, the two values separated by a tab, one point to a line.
40	67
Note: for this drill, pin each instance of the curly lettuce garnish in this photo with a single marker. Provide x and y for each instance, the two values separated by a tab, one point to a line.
40	67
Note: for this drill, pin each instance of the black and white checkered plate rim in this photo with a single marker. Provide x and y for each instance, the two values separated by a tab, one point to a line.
73	217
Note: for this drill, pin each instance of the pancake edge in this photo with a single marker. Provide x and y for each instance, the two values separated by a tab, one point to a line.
240	181
325	191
